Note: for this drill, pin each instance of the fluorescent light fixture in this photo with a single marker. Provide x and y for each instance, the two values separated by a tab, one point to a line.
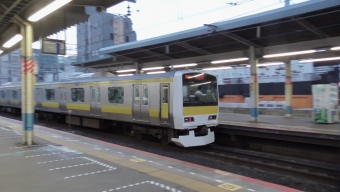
289	54
14	40
230	60
185	65
125	75
319	60
215	68
152	68
48	9
201	83
1	51
335	48
155	72
269	64
195	76
126	70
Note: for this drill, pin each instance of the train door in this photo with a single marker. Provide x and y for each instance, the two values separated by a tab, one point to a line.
165	102
137	103
145	103
62	99
95	101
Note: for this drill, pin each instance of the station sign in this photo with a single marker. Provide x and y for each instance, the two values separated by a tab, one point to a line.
53	46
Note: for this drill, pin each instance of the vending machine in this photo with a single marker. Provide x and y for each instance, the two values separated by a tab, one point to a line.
325	103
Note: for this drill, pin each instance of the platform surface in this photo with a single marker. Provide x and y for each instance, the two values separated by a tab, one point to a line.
62	161
296	124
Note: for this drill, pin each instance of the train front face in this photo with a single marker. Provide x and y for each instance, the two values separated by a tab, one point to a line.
197	109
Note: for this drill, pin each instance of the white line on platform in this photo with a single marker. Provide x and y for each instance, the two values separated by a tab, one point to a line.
71	166
168	188
95	172
46	154
250	189
27	146
58	160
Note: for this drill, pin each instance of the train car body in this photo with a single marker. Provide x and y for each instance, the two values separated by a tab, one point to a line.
179	106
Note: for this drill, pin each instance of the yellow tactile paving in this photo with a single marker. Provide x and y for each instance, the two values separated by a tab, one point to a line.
161	174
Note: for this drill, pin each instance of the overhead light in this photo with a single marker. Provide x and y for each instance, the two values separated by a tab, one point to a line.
184	65
121	75
14	40
155	72
319	60
215	68
126	70
289	53
335	48
152	68
48	9
195	76
230	60
1	51
269	64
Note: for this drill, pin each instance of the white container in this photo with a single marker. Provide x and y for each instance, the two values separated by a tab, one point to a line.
325	102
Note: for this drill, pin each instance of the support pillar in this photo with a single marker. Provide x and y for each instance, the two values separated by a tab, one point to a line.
28	65
137	68
287	3
288	90
254	85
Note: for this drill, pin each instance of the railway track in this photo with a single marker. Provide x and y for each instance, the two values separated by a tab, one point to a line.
321	171
313	170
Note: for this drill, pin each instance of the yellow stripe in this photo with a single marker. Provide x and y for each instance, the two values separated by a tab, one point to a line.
3	101
165	110
50	104
15	102
201	110
154	112
117	109
78	106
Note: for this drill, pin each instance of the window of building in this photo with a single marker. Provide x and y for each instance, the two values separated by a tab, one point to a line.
49	94
111	36
145	95
127	39
116	95
14	94
77	95
126	25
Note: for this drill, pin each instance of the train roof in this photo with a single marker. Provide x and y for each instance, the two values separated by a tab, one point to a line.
115	78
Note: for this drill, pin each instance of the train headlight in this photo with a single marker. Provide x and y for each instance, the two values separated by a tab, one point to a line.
189	119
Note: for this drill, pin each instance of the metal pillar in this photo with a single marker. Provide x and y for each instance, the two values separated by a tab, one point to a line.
137	68
27	84
287	3
288	89
254	85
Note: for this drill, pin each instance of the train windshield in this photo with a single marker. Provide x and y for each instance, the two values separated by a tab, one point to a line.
199	89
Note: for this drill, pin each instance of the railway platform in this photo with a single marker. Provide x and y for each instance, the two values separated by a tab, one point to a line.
286	128
62	161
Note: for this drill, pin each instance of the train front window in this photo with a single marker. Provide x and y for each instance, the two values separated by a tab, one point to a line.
199	89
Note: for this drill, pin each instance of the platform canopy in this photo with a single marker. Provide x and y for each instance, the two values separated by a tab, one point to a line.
67	16
309	25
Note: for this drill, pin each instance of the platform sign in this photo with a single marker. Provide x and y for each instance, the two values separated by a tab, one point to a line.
53	46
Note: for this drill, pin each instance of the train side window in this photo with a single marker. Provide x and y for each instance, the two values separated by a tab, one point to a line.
93	95
77	95
98	94
116	95
49	94
3	94
145	95
14	94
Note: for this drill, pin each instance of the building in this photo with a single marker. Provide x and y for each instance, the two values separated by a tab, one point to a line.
102	30
10	67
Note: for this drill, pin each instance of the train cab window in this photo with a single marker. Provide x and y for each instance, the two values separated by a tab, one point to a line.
77	95
49	94
116	95
145	95
14	94
199	89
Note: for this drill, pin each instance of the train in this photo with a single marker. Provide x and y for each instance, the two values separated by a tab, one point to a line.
176	106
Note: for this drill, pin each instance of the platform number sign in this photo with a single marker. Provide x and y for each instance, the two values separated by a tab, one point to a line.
230	187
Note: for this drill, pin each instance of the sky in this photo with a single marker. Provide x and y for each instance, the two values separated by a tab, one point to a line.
152	18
